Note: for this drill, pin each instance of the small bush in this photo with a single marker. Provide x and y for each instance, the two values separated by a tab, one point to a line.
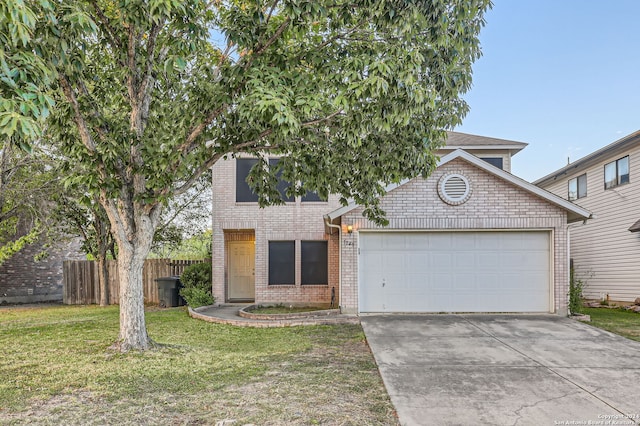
196	280
575	293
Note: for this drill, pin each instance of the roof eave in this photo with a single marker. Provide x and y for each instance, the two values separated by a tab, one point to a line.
574	212
590	159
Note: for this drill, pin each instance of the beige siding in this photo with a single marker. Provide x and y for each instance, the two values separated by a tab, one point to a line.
494	204
606	255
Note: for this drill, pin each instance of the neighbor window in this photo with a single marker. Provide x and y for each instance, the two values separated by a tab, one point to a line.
495	161
616	172
282	262
244	193
282	184
314	263
578	187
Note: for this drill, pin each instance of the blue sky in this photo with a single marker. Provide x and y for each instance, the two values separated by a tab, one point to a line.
562	76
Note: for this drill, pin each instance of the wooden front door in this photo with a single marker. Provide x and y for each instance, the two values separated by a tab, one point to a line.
241	284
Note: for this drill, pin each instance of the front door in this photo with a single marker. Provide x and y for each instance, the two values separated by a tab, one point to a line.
242	270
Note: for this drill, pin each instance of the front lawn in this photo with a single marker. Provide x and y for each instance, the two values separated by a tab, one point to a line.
619	321
56	369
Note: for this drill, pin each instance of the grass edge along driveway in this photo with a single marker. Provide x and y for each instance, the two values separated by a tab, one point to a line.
56	369
616	320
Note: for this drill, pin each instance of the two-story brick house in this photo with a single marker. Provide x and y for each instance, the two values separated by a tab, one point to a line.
606	249
469	238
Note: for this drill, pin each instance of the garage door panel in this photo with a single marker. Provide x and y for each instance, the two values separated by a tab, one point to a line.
440	281
418	262
464	241
463	259
441	240
455	271
488	260
441	260
464	281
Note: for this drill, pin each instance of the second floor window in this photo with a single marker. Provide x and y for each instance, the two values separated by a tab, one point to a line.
244	193
495	161
578	187
282	184
616	172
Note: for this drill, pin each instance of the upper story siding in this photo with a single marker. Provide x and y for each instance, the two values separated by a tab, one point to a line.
606	255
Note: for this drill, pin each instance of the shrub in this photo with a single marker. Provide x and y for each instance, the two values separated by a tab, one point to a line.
575	293
196	280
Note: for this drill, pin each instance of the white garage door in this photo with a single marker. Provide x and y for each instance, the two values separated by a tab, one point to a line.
454	272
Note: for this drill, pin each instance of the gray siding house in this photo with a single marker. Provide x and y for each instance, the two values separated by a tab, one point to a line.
606	249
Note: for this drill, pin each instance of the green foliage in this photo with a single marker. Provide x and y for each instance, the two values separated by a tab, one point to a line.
12	247
357	94
196	296
354	95
575	293
197	280
192	248
30	43
27	183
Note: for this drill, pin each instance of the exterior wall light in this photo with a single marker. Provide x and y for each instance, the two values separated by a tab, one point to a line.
350	229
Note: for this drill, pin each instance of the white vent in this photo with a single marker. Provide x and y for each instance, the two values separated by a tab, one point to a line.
454	189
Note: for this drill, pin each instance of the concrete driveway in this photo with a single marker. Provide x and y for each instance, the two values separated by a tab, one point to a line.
505	370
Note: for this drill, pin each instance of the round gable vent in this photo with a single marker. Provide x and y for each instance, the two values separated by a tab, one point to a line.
454	189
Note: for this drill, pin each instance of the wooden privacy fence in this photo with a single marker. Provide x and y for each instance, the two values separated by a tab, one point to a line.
81	286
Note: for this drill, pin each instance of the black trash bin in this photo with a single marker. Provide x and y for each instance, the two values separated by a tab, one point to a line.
169	292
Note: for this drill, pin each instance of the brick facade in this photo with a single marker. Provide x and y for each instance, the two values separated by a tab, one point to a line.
296	221
494	204
25	280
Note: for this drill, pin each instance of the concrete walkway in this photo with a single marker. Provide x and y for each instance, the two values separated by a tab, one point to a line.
505	370
228	314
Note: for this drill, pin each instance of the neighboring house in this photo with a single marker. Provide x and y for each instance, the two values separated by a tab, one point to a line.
23	279
606	249
469	238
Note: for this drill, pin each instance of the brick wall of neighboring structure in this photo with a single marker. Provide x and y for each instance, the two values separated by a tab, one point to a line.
494	204
25	280
296	221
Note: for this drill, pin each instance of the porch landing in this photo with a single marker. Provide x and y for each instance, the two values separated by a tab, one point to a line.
228	314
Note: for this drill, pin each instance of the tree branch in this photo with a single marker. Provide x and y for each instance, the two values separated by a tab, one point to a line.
195	175
321	120
261	49
131	65
273	8
151	45
111	33
85	135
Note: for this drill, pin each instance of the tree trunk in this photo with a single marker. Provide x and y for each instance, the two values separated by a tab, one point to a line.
103	238
133	233
133	330
103	279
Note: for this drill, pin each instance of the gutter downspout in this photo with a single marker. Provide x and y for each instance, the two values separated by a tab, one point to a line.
339	228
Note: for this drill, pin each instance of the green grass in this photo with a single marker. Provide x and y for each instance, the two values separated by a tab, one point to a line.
619	321
56	368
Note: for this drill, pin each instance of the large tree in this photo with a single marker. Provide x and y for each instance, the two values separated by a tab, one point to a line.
150	94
